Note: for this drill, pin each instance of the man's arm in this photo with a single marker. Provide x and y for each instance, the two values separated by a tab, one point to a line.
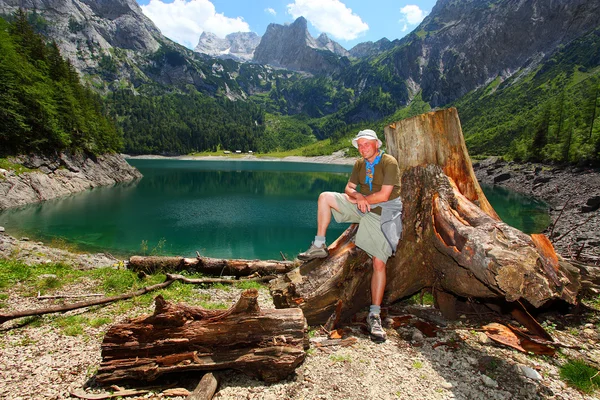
364	202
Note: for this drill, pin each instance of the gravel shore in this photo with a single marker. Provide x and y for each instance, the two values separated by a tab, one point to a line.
38	360
339	157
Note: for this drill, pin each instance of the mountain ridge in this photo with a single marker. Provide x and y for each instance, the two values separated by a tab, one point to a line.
292	47
461	47
238	46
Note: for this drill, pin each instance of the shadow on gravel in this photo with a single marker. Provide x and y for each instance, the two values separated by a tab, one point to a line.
475	367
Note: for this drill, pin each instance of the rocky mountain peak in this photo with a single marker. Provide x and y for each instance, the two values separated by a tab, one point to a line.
325	43
292	47
238	46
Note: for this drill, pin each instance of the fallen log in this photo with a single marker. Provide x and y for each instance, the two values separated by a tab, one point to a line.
209	266
268	344
453	240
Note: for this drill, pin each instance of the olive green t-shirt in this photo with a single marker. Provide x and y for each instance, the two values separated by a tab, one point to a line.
386	173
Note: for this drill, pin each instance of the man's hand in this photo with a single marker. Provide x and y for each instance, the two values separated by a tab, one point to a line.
362	203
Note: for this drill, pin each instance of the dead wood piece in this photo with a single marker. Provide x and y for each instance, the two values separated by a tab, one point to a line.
337	342
100	396
206	389
453	240
68	296
334	319
521	314
508	336
82	304
268	344
209	266
199	281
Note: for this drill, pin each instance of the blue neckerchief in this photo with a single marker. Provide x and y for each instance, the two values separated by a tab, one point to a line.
371	169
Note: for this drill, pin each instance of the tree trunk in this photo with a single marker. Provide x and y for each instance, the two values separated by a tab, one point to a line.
209	266
267	344
453	240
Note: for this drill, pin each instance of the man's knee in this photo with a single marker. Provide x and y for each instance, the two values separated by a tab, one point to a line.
328	198
378	265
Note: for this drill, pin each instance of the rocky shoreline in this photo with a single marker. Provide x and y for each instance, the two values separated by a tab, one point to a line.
49	177
572	194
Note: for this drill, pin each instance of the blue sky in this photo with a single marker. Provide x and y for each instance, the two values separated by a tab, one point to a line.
348	22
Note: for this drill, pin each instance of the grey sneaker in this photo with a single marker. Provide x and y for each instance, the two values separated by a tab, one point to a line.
314	252
375	329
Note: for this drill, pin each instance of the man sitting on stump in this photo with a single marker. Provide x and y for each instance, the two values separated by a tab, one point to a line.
371	199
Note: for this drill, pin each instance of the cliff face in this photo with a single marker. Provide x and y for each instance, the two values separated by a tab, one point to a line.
464	44
83	28
61	175
293	47
368	49
111	42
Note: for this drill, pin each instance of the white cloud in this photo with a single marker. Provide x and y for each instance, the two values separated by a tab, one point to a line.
330	16
411	15
184	20
270	11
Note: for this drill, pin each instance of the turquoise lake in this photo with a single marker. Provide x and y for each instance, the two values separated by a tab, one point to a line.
225	209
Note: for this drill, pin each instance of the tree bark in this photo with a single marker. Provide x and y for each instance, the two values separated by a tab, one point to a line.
453	240
209	266
268	344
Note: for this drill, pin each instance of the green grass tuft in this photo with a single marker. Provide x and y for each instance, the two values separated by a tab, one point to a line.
98	322
116	281
244	285
36	277
581	376
71	325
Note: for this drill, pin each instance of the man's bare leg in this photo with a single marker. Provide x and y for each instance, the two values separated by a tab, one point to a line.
325	203
378	281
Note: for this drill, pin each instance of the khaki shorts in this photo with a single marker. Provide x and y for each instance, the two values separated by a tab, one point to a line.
369	236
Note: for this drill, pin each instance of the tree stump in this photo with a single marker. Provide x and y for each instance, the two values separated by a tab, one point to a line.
268	344
453	240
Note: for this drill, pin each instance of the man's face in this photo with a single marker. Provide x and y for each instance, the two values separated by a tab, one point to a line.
368	148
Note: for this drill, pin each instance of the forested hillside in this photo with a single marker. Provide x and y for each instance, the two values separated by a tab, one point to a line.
534	99
548	114
43	107
181	123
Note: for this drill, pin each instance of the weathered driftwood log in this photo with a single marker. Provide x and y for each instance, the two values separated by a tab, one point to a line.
453	240
268	344
210	266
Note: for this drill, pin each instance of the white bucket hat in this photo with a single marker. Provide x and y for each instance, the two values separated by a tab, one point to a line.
366	134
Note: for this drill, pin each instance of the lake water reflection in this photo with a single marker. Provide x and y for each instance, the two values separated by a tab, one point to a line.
229	209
